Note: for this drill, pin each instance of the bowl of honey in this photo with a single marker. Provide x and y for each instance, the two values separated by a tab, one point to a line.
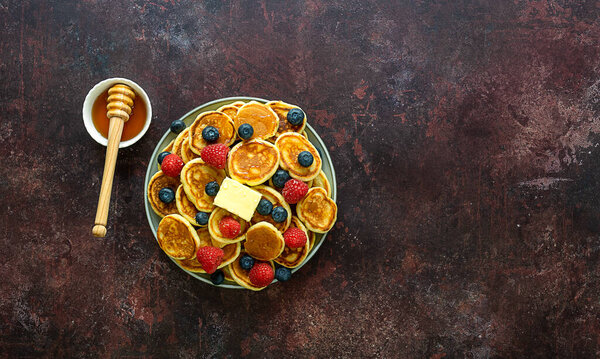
94	113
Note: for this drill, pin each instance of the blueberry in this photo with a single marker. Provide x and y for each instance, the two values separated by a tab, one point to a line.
245	131
162	156
217	277
177	126
295	116
211	188
210	134
305	159
264	207
202	218
246	262
280	178
166	195
283	274
279	214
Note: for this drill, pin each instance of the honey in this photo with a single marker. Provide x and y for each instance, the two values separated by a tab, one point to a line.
131	128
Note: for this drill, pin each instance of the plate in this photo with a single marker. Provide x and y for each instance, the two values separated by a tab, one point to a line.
188	118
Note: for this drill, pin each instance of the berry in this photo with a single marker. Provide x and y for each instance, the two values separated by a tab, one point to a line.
202	218
177	126
305	159
217	277
294	190
246	262
245	131
261	275
162	156
295	116
171	165
210	258
166	195
280	178
210	134
264	207
283	274
215	155
212	188
294	237
279	214
229	227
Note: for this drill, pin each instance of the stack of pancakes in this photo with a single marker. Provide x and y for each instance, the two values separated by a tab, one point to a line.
275	144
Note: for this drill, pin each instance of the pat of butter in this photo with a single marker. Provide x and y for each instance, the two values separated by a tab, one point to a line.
237	198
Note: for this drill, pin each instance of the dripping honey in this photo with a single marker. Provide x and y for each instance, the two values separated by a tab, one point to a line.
136	122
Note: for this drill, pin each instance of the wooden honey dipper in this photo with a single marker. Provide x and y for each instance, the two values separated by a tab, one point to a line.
120	101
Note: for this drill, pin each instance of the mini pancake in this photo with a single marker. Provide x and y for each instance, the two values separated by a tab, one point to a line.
317	211
185	207
230	110
263	119
158	182
293	257
215	232
169	148
252	162
238	104
230	251
178	142
322	181
177	238
277	200
240	275
290	145
264	242
186	152
216	119
227	273
281	109
194	177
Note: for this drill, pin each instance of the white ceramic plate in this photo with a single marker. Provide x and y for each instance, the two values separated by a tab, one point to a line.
188	118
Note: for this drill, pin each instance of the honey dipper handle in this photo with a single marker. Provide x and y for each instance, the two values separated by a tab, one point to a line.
114	137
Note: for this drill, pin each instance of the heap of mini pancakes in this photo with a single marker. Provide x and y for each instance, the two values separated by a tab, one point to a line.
274	145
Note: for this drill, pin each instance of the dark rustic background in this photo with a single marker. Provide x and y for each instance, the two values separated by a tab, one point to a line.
464	134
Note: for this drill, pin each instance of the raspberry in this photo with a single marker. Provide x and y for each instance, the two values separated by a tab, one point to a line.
215	155
294	238
171	165
229	227
294	190
261	275
210	258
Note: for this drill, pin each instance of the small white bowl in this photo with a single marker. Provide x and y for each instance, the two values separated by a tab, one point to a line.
97	91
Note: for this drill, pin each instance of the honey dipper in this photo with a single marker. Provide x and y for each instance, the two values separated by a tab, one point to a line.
120	101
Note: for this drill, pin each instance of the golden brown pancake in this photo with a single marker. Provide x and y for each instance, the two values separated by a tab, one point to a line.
215	232
192	264
317	211
252	162
218	120
240	275
264	242
293	257
194	177
263	119
238	104
277	200
177	238
230	110
231	251
281	109
290	144
158	182
186	152
185	207
322	181
169	148
178	142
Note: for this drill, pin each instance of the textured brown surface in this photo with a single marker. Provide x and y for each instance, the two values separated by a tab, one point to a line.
464	134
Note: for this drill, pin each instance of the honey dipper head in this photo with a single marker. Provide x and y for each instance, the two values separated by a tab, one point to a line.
120	101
